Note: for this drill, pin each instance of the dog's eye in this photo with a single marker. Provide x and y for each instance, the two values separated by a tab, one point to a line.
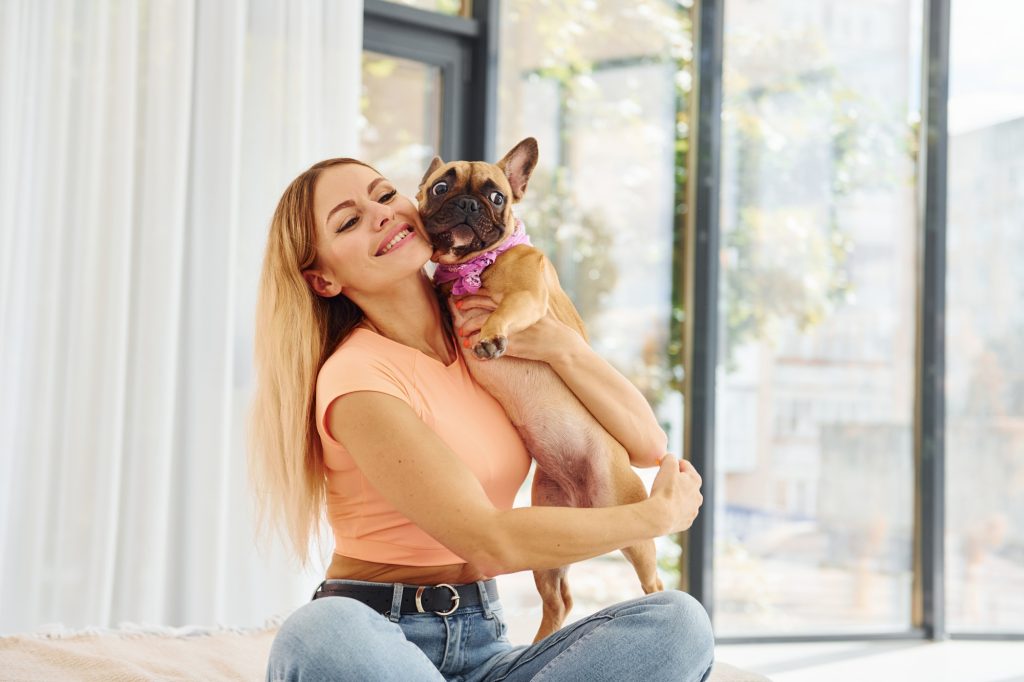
439	189
497	198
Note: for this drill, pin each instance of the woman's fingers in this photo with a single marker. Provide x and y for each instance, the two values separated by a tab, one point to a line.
464	308
471	321
478	300
686	467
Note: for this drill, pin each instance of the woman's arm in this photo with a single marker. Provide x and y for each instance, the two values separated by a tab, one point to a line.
425	481
613	400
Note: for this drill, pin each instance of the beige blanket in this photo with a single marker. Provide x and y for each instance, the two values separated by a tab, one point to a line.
137	653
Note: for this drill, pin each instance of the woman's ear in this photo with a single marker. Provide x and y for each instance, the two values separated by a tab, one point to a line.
320	285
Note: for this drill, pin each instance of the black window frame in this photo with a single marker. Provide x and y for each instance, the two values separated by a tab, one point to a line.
465	49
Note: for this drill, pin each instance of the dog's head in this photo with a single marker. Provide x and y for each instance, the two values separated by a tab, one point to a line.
466	206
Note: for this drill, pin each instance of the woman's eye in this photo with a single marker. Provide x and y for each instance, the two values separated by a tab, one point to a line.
439	189
497	198
387	197
350	223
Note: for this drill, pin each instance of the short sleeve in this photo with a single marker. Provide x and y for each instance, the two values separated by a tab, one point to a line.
348	373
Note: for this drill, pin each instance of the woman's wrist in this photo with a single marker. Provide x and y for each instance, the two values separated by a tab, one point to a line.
656	514
565	356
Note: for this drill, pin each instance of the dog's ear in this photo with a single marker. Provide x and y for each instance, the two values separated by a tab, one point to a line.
434	165
518	164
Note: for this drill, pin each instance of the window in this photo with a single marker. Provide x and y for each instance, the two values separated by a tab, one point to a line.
454	7
985	330
816	385
400	139
817	234
599	85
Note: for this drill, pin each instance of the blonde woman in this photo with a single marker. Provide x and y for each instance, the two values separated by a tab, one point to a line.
365	411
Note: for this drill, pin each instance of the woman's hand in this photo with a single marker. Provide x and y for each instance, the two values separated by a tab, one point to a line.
544	340
677	488
608	395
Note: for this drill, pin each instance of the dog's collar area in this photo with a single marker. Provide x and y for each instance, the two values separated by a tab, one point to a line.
467	275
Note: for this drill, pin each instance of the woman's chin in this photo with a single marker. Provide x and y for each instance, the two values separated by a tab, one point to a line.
421	252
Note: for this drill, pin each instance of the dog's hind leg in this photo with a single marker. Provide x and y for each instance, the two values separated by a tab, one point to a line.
552	583
627	488
644	559
557	601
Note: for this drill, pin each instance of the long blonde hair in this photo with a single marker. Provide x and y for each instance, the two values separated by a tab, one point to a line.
296	331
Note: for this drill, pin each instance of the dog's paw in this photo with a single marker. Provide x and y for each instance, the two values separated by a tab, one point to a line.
491	349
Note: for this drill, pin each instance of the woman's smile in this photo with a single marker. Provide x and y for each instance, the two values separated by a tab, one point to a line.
395	239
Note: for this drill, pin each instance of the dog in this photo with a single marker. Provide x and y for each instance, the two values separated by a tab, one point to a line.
466	208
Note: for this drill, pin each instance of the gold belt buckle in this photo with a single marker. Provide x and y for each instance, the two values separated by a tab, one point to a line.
455	599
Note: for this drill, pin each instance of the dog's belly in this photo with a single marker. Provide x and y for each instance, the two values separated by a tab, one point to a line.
563	437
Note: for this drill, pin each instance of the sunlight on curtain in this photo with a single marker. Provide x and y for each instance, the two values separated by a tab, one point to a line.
143	146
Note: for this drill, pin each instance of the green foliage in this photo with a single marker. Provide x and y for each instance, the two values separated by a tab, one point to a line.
577	240
799	141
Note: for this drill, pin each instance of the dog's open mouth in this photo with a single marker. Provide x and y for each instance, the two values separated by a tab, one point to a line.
456	242
462	236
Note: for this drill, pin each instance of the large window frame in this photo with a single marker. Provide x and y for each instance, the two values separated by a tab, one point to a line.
466	49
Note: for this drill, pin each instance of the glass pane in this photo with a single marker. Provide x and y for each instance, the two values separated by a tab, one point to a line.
400	125
596	83
817	298
985	319
442	6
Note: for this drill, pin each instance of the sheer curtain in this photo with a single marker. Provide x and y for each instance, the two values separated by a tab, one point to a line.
143	146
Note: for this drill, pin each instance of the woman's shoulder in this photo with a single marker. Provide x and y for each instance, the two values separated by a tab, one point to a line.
363	351
359	344
364	361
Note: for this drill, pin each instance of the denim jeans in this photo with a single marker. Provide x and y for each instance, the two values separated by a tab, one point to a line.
660	636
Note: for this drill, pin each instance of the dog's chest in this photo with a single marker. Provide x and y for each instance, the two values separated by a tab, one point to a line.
555	427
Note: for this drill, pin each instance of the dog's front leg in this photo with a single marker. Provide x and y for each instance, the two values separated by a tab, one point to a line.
519	277
518	310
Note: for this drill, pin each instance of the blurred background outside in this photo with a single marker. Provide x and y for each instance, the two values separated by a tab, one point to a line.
818	281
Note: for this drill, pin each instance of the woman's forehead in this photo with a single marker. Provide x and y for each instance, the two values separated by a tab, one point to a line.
340	183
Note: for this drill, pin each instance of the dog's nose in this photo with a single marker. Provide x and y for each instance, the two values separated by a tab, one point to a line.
468	205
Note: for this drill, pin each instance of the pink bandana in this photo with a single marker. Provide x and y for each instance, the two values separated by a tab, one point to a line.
467	275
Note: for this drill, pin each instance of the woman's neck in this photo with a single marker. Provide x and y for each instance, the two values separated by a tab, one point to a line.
411	315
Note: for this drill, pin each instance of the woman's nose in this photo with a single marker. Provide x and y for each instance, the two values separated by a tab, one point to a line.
386	214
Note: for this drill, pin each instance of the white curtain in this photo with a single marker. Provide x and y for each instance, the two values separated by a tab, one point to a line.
143	146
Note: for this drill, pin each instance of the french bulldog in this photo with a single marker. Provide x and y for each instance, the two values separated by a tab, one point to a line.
466	208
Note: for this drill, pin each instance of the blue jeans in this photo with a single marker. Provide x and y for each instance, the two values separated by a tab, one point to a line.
660	636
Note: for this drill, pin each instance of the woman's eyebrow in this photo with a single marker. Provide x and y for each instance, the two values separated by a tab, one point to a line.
344	204
349	202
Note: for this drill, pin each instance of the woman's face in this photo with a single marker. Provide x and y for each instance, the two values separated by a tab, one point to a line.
368	235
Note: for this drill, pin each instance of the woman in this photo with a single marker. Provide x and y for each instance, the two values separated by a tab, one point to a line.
364	406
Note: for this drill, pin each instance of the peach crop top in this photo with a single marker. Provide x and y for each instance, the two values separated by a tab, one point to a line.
449	401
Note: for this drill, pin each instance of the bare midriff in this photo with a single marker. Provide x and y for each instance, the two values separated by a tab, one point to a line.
358	569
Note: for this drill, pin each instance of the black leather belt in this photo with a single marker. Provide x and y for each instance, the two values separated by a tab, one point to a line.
441	599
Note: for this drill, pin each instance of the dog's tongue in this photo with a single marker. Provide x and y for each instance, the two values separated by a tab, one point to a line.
445	247
462	235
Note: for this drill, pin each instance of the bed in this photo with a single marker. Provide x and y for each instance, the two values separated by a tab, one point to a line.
134	652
